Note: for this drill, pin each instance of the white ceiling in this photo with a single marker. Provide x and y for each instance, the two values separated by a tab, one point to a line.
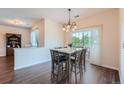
27	15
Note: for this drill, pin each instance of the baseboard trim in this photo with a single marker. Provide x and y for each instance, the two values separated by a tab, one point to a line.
21	67
120	77
2	55
106	66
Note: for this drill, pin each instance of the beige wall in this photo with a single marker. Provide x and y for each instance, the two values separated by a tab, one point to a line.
121	70
40	25
8	29
110	32
54	37
50	34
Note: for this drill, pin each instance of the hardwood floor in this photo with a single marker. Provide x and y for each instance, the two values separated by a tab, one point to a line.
6	69
41	74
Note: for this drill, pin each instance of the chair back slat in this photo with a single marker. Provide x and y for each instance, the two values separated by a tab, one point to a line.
54	56
78	56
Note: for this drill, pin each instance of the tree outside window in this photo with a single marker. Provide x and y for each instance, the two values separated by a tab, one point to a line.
82	39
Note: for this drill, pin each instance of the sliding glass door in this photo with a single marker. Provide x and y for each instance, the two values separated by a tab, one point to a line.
89	38
82	38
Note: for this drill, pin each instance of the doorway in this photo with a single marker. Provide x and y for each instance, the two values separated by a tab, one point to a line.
89	38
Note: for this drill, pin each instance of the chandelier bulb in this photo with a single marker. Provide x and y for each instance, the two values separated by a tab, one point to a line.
67	30
63	29
69	26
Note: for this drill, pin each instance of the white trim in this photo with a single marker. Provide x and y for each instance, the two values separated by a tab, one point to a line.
120	77
43	61
2	55
106	66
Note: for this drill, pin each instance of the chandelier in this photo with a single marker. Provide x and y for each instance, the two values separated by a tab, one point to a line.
69	26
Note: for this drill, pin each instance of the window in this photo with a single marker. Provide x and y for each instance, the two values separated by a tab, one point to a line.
82	38
34	39
91	39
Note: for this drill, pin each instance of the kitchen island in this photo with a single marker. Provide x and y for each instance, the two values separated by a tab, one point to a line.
24	57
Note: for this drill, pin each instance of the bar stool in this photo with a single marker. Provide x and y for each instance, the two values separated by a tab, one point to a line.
76	63
59	65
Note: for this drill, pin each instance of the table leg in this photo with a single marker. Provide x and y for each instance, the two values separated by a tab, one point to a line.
69	61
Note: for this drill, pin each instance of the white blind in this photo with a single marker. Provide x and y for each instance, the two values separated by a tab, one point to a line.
95	49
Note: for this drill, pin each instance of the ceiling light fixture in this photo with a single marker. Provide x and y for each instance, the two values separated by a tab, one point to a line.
69	26
17	21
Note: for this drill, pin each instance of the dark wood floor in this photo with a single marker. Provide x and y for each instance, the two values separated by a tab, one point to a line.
41	74
6	69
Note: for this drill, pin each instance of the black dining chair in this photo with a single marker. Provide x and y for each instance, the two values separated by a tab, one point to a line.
59	64
76	63
84	58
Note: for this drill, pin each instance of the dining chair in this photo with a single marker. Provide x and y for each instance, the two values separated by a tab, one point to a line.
88	52
76	63
84	58
59	64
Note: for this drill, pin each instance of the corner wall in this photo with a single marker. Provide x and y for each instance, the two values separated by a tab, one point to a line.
54	36
14	30
40	25
110	35
121	69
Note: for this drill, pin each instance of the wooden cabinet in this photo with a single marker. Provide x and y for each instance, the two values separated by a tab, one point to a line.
10	51
12	41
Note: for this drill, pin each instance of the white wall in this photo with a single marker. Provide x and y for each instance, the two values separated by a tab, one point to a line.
110	32
50	34
40	25
14	30
25	57
121	16
54	36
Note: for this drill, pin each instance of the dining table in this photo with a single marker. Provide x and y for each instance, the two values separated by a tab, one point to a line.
69	51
